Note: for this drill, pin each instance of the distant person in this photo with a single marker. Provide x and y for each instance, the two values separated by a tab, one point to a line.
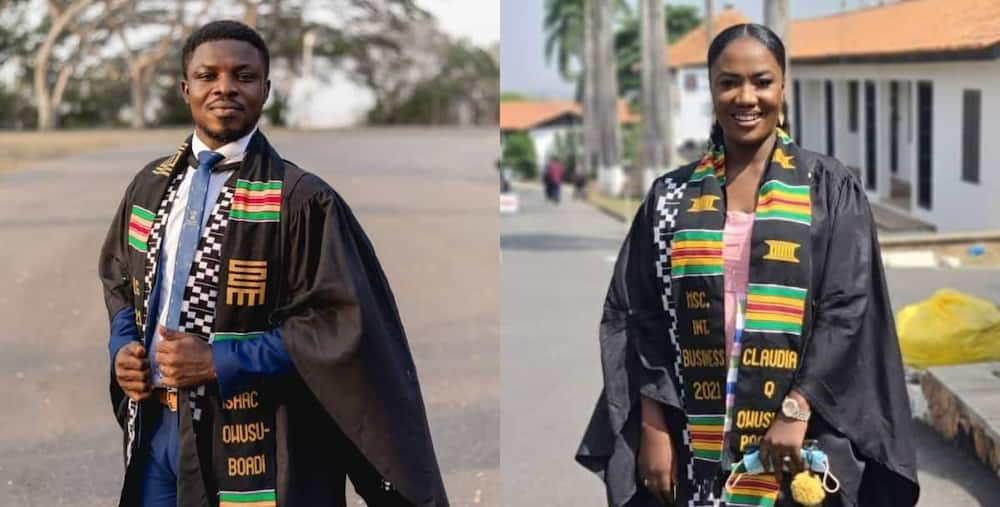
553	176
748	312
257	356
579	184
504	173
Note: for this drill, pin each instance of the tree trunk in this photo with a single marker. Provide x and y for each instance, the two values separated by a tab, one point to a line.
137	90
776	18
47	102
709	21
657	139
607	100
591	114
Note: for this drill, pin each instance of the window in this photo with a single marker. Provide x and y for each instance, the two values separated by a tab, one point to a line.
797	99
852	106
828	86
971	122
871	158
925	142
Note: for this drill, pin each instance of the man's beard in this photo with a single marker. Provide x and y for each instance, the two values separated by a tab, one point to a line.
226	136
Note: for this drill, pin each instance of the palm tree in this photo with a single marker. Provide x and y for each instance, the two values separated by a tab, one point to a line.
564	34
657	138
600	114
776	18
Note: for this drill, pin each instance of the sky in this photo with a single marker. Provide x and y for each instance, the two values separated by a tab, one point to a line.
476	20
522	40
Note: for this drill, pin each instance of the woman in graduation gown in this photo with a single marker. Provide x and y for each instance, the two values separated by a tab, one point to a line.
748	311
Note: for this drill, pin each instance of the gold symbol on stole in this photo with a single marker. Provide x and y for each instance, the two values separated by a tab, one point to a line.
247	281
782	159
703	203
135	287
783	251
167	165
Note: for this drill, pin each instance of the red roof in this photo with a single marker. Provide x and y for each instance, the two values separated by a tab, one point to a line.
528	114
908	27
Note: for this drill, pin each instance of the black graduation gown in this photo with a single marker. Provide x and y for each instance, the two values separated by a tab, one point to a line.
851	371
353	370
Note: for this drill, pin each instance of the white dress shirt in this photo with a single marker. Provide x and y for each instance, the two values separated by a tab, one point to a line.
233	152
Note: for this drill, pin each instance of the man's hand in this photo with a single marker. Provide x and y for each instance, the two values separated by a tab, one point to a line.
784	438
132	371
657	459
184	359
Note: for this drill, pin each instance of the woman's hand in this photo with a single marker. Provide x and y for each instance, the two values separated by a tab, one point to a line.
657	459
784	440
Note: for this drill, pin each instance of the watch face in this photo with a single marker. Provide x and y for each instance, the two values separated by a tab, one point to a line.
790	407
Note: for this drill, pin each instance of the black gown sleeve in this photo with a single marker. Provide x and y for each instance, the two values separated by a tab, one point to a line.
113	271
112	266
851	370
635	359
342	330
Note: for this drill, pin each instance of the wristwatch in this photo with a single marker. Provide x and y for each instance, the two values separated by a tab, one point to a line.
790	408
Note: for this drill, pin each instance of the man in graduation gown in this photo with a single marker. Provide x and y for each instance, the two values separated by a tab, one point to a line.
844	358
258	356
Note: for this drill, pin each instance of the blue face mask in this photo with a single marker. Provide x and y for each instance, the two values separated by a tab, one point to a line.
814	459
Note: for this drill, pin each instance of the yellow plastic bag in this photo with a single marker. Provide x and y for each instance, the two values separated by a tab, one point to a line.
949	328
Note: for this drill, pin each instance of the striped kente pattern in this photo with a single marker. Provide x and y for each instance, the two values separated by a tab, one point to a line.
696	252
706	436
781	201
775	308
139	225
712	164
751	491
256	201
223	337
262	498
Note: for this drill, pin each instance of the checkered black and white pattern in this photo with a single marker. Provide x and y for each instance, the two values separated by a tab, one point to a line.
668	207
202	290
710	502
153	243
152	249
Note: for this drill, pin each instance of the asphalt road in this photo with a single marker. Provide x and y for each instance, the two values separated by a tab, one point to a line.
427	199
556	262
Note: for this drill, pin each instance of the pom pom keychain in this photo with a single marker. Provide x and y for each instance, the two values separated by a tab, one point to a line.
807	489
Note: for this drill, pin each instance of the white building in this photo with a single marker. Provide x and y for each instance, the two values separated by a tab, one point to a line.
902	93
544	120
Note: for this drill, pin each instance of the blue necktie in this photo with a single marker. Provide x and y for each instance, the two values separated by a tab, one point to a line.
190	233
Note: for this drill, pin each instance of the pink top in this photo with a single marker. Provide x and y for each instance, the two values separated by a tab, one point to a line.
736	262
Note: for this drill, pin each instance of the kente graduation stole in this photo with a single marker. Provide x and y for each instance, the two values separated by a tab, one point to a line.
229	296
689	238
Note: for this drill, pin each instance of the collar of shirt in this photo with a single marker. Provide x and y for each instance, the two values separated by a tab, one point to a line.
233	151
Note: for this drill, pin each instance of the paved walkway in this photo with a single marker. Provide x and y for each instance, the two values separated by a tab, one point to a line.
556	264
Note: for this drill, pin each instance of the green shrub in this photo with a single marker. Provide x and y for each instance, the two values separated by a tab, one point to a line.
519	155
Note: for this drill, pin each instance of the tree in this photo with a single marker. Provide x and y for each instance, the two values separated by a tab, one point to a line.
464	91
564	33
709	22
776	18
519	155
680	19
657	138
48	96
513	96
600	114
143	62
